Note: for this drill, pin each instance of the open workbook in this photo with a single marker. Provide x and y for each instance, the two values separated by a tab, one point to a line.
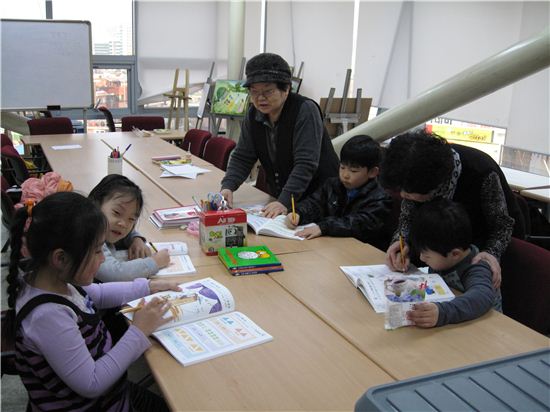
378	283
205	324
180	262
270	227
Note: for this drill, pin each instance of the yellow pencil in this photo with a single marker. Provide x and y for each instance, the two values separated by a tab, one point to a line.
175	302
402	247
293	209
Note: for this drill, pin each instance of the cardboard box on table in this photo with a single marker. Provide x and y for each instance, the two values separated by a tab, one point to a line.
222	228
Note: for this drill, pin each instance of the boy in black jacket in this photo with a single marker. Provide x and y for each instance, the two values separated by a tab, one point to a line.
351	205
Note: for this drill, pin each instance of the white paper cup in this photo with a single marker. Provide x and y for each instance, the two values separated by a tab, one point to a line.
114	165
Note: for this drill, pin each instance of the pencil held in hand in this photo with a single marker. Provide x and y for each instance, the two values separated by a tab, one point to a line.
402	250
293	209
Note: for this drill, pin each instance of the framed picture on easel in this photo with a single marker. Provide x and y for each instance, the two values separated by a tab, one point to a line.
295	83
229	98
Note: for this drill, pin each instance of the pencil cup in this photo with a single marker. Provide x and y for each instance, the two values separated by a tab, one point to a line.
114	165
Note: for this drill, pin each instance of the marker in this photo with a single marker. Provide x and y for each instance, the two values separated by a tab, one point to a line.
126	150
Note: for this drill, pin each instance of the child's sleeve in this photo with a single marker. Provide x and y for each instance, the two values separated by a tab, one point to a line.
113	270
113	294
52	330
477	299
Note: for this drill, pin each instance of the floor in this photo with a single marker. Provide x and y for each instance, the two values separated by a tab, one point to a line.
14	396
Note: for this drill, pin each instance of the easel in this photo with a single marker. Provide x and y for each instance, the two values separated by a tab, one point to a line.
177	96
206	99
296	81
350	112
216	119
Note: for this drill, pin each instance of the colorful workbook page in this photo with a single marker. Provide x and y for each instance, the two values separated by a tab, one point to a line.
249	257
211	298
205	324
374	280
276	227
209	338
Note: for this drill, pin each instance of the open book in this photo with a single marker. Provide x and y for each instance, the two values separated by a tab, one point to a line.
205	324
270	227
180	262
378	283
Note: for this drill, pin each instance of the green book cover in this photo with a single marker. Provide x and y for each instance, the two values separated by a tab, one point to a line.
247	257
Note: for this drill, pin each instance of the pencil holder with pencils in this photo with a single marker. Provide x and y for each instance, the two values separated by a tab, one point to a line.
114	165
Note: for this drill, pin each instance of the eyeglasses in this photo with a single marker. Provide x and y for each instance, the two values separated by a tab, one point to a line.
266	94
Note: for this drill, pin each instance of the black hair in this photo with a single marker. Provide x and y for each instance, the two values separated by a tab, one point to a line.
63	220
440	225
114	184
416	162
361	151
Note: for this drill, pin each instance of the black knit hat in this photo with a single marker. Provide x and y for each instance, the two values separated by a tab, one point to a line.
267	67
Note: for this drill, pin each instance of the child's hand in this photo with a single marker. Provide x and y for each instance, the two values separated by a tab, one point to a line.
150	317
160	285
424	315
393	257
292	223
162	258
274	209
138	249
310	232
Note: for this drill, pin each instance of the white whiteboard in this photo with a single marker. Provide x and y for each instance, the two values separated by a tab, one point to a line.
46	63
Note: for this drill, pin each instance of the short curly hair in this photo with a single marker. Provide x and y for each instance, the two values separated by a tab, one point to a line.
416	162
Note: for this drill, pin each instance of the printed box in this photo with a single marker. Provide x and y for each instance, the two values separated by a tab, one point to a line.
223	228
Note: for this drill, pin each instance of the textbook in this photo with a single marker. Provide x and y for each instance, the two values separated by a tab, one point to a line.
270	227
174	216
205	323
378	283
249	260
180	263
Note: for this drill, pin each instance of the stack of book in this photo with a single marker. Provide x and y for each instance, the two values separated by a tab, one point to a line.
174	216
249	260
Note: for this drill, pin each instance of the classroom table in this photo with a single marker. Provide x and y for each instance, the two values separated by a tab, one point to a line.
307	366
524	181
128	136
316	280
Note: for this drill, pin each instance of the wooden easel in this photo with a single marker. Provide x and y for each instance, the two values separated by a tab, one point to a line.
350	113
206	99
179	96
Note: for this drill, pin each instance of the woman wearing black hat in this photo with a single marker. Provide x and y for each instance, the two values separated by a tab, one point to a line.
285	132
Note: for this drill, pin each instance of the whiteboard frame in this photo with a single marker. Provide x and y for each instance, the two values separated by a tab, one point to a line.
90	55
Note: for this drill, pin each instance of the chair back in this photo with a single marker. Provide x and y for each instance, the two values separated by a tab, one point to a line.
13	166
6	141
142	123
195	140
526	284
108	118
217	151
50	125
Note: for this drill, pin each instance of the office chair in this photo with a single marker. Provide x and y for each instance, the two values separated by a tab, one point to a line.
108	118
195	140
142	123
526	284
50	125
217	151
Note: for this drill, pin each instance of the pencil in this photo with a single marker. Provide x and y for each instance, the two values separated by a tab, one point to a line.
293	209
175	302
153	247
401	248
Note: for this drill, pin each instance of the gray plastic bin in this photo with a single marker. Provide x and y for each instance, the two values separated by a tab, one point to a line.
516	383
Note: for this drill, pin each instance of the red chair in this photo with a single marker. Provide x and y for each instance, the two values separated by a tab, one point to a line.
6	141
142	123
108	118
526	284
217	151
50	125
195	140
14	169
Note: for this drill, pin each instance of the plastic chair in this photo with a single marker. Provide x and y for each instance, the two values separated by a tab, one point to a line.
526	284
108	118
142	123
50	125
195	140
217	151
